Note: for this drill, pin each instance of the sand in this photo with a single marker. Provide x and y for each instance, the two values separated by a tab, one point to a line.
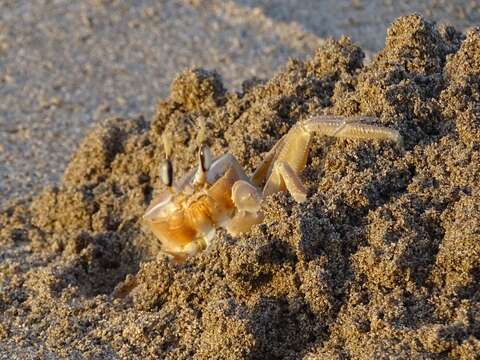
67	65
382	261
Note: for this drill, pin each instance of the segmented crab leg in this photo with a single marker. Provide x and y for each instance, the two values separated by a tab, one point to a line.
351	128
247	200
288	159
263	170
243	222
284	177
244	195
220	166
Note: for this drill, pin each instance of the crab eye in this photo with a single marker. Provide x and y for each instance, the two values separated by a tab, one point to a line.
205	158
166	172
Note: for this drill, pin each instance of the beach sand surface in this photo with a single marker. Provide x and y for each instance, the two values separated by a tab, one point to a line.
381	261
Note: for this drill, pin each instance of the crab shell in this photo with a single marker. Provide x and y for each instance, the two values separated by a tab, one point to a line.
185	223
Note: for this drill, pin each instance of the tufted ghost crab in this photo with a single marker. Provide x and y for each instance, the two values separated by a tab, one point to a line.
219	194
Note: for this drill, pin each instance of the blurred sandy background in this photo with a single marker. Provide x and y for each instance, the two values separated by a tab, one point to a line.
65	65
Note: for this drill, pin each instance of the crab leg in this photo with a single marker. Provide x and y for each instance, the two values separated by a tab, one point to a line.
245	196
243	222
247	200
222	164
288	158
263	170
284	177
351	128
284	162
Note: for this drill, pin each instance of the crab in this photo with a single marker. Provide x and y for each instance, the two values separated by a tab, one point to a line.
219	194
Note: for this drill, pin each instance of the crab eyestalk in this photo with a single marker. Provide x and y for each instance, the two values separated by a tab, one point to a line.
205	161
166	167
166	173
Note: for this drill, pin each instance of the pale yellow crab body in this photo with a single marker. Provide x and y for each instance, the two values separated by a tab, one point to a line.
185	217
186	224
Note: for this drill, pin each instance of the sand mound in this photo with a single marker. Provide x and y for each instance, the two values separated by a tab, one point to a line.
382	261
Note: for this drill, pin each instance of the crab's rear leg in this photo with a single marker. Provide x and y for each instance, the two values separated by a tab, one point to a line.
350	128
290	157
284	177
263	170
287	162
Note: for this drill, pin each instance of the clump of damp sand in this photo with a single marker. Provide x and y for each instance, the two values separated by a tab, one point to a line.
382	261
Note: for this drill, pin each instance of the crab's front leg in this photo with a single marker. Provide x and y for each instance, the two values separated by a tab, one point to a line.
283	164
247	200
227	173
